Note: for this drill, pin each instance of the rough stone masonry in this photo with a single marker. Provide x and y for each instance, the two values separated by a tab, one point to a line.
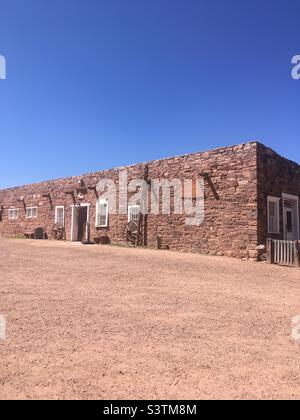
238	181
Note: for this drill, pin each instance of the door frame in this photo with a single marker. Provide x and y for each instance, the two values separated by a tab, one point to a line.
74	237
295	199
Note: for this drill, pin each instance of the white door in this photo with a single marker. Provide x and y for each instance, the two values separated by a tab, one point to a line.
74	224
289	225
75	220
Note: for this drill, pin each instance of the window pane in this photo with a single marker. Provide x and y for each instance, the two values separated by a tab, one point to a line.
102	213
272	224
289	221
134	213
31	212
13	213
273	207
60	216
102	220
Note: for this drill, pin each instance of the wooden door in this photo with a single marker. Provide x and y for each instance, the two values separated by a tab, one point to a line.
82	220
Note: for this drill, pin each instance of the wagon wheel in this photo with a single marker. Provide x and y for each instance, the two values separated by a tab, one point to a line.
58	232
130	232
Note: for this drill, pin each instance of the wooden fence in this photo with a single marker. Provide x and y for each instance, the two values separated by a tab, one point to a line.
283	252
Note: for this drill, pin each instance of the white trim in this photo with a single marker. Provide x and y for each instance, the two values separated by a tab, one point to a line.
31	208
72	217
275	200
13	218
73	207
98	203
60	207
88	210
292	198
84	205
132	207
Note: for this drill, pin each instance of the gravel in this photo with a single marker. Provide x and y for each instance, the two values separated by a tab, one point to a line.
105	322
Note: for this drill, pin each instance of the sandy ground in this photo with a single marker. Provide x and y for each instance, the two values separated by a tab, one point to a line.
111	323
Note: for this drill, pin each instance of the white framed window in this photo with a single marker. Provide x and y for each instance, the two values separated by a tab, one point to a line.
273	215
60	215
31	212
102	213
134	213
13	214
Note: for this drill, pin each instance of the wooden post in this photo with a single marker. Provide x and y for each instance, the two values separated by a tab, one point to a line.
138	236
297	254
158	241
269	251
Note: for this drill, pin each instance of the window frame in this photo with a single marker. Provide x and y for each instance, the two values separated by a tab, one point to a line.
56	214
99	202
13	218
31	208
130	207
276	201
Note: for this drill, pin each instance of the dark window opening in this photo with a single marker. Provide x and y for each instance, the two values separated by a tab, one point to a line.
289	222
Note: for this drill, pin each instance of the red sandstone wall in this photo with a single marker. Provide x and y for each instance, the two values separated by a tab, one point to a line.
230	225
276	175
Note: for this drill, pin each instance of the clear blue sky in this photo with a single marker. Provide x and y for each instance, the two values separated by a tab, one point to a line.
99	83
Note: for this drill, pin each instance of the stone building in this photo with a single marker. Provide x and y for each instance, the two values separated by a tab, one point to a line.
250	194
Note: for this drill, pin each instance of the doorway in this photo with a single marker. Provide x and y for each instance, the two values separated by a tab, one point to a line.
80	217
291	217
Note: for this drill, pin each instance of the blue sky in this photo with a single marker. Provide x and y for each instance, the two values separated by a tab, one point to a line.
100	83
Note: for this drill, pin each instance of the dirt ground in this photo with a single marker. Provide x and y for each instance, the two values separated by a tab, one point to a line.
104	322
